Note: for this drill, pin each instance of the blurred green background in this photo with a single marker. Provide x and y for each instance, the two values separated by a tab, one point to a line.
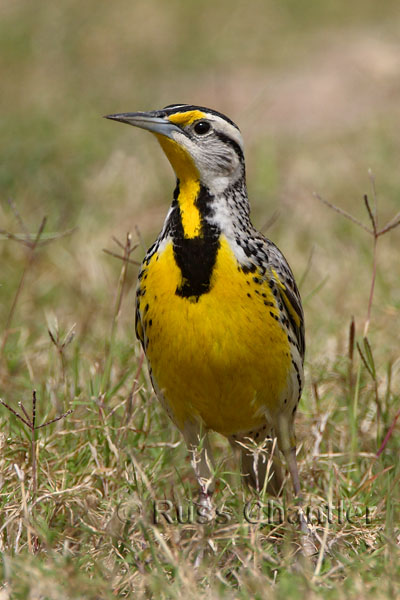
313	86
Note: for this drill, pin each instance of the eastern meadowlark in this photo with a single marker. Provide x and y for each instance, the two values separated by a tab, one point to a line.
218	312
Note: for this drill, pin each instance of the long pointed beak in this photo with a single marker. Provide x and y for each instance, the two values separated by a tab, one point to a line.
147	120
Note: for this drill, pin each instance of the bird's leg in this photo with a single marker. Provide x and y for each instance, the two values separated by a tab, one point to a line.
287	443
291	461
202	461
290	456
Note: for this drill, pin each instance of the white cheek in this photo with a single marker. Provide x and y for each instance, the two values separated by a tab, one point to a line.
182	140
215	178
217	184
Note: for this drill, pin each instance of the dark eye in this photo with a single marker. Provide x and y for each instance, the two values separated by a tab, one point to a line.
202	127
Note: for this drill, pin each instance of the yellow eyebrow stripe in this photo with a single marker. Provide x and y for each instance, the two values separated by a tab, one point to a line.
186	118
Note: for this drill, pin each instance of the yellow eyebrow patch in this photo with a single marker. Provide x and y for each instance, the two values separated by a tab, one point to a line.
186	118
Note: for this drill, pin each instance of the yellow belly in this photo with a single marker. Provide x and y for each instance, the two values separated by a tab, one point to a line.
223	358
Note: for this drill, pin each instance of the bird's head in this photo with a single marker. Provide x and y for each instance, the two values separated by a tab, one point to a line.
200	143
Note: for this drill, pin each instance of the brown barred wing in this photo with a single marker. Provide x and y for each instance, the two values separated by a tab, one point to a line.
289	293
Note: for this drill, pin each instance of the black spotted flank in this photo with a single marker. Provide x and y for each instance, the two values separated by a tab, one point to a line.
248	268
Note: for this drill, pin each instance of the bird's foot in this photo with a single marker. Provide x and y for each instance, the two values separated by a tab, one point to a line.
204	499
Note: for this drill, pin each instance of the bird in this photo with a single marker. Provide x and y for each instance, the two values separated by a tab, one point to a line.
218	311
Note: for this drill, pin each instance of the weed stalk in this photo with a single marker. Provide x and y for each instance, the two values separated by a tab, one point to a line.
127	249
30	422
364	348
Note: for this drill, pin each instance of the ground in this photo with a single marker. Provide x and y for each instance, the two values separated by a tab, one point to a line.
315	92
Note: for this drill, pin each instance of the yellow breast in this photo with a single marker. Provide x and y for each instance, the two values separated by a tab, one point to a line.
223	357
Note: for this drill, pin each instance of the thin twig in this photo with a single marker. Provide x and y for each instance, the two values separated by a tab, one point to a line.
375	232
352	330
71	410
316	394
14	412
33	409
270	221
364	360
30	422
389	433
370	213
343	213
395	222
17	215
374	195
124	270
128	249
370	366
15	238
372	288
134	389
28	240
140	237
115	255
129	400
20	285
118	242
21	476
33	446
22	407
308	267
352	333
61	344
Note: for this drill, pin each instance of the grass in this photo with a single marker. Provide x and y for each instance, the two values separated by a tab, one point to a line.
315	93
